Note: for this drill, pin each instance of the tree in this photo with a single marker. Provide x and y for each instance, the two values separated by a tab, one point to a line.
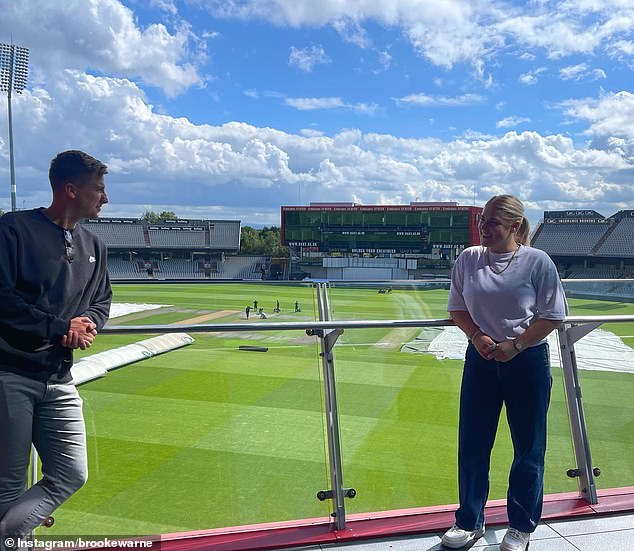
1	212
152	217
272	239
250	241
149	216
266	241
167	215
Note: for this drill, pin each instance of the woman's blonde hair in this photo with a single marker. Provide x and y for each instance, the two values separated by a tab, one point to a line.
510	209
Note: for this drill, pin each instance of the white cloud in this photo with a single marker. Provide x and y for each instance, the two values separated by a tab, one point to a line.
165	5
311	133
573	71
479	67
581	71
623	47
365	108
446	33
312	104
246	168
102	35
352	32
610	116
510	122
444	101
305	59
531	77
457	31
385	60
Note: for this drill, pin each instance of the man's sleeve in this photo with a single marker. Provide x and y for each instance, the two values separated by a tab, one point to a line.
99	308
21	323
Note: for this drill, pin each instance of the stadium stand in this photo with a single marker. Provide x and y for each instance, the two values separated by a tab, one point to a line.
172	249
176	237
583	244
113	234
620	241
223	235
597	273
120	268
569	239
586	245
240	267
178	268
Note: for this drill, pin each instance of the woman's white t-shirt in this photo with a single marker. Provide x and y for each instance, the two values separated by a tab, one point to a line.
503	305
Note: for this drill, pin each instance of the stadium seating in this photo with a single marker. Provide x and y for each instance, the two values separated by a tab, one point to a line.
125	235
240	267
596	273
569	239
119	268
223	235
178	269
620	242
176	238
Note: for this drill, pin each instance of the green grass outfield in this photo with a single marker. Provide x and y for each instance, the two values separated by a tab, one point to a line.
210	436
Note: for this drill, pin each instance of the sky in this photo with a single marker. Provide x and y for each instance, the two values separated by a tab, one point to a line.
228	109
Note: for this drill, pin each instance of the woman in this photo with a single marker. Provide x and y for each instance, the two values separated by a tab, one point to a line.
506	297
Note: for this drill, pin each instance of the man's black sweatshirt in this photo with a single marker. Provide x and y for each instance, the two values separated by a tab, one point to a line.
41	290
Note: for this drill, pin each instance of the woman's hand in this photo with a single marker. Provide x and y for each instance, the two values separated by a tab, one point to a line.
491	350
502	352
485	345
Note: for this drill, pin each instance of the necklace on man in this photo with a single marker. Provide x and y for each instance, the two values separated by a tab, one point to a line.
508	262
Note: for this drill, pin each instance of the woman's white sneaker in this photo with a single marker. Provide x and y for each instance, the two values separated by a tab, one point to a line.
515	540
456	537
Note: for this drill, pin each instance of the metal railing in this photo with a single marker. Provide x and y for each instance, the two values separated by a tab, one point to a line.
327	331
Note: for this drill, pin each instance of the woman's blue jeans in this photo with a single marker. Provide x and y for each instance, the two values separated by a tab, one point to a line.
49	416
523	385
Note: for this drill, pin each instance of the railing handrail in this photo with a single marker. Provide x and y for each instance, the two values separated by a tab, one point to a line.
301	326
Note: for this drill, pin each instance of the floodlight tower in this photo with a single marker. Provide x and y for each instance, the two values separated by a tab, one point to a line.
14	68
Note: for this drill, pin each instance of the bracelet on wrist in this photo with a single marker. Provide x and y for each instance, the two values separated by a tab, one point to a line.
474	334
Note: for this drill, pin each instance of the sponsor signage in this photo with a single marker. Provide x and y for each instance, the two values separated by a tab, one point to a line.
112	221
178	228
377	208
575	221
573	217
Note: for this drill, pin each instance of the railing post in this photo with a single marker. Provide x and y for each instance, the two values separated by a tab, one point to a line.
567	337
327	341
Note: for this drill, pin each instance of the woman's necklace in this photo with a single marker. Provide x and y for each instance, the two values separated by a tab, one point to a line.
508	262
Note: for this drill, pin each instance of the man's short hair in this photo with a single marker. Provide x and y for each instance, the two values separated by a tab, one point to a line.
74	166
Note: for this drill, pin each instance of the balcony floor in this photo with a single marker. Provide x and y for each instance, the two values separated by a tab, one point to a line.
569	523
605	533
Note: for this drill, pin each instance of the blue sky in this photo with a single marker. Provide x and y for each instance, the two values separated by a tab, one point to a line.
229	109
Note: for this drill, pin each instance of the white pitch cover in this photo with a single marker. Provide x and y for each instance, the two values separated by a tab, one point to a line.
97	365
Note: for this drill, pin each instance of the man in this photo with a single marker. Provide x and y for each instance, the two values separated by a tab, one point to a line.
55	296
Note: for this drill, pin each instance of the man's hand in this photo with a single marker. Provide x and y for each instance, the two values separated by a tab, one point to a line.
81	334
